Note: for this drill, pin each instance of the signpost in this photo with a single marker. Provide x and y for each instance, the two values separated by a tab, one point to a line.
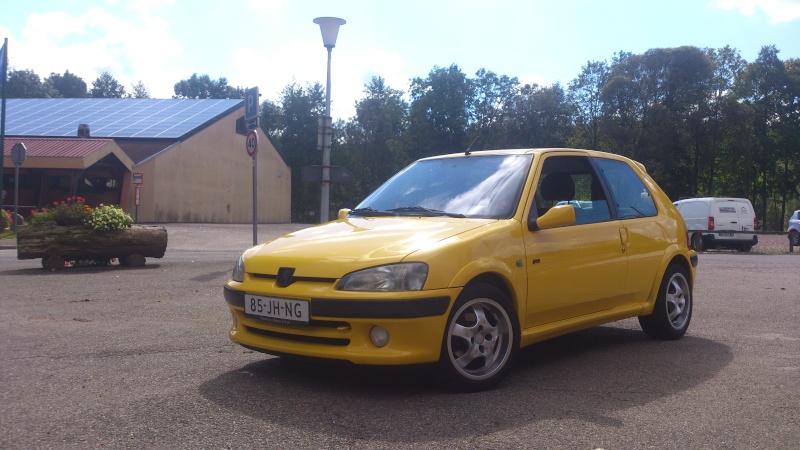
17	157
138	179
252	150
251	109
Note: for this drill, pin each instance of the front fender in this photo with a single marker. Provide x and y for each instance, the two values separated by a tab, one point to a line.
514	278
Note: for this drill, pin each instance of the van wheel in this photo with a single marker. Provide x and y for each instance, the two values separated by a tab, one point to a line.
745	247
673	310
697	242
480	340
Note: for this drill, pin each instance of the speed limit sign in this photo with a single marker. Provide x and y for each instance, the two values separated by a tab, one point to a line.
252	143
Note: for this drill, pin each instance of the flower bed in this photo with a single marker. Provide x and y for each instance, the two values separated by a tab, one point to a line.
72	231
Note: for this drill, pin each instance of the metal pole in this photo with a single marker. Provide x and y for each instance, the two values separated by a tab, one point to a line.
4	68
16	195
326	150
255	201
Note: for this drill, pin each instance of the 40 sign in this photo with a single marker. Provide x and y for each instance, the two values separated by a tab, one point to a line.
252	143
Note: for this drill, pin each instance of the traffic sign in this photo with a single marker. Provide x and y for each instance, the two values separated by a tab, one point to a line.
18	153
313	174
252	143
251	124
251	107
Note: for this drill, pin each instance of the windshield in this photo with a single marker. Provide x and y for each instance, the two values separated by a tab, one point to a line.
486	187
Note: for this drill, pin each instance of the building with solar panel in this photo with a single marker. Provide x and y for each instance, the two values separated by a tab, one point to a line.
185	158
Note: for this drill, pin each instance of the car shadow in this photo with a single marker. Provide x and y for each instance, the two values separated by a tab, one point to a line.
589	375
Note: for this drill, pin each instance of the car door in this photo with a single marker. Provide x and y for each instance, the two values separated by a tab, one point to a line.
578	269
643	233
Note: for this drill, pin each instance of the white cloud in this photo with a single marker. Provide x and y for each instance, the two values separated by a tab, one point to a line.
777	10
305	61
96	41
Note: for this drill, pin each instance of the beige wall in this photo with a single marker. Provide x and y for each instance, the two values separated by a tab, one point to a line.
208	179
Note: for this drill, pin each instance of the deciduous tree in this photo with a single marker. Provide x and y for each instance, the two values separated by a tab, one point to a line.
106	86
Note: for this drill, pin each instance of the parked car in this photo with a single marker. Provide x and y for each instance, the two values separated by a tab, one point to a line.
460	260
720	222
794	228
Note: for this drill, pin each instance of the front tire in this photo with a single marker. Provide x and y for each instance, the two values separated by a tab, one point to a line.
480	340
673	309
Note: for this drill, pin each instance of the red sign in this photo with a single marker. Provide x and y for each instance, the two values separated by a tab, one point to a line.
252	143
136	195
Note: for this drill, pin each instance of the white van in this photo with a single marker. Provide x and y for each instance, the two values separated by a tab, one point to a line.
719	222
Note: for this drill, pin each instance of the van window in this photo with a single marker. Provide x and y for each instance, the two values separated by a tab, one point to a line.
694	210
629	192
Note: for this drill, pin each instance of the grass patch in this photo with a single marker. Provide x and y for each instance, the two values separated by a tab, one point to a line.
7	235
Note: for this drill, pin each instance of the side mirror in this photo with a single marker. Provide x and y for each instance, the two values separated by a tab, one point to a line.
557	216
343	213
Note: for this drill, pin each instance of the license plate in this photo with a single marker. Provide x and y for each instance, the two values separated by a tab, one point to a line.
726	234
276	309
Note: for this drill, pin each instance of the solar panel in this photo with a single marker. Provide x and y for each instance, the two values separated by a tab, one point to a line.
113	117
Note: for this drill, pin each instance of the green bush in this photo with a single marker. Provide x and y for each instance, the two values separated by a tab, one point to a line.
5	219
105	218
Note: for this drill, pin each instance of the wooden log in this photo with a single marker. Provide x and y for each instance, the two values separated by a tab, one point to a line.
80	243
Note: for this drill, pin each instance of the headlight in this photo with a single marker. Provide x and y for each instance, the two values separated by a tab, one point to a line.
238	271
394	277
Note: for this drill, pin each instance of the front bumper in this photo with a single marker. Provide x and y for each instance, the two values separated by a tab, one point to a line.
339	327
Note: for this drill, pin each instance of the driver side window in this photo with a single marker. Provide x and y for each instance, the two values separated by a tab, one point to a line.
571	180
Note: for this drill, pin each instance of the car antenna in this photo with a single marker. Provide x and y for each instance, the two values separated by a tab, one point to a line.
467	153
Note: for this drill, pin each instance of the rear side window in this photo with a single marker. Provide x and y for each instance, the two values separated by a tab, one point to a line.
631	197
694	210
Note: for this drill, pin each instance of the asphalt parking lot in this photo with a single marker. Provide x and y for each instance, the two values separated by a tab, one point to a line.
115	357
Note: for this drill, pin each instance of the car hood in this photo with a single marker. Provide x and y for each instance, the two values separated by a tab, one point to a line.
334	249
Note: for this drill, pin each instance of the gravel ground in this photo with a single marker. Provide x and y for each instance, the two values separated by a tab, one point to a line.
769	244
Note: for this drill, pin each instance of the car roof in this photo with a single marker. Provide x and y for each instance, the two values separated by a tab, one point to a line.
537	151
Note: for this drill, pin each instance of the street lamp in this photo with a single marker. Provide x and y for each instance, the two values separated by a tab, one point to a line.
329	26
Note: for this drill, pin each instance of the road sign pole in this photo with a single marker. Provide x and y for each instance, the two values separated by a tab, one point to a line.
255	201
17	157
251	143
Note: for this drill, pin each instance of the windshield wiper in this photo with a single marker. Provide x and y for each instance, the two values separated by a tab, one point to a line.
370	212
422	211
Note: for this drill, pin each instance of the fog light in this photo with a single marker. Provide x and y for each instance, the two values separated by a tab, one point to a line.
378	336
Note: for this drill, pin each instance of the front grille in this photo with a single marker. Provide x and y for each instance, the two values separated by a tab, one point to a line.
295	279
300	338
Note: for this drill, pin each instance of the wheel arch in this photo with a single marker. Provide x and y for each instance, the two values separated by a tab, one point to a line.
675	258
497	274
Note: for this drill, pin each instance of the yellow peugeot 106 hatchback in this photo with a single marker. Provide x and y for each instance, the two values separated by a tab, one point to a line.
459	260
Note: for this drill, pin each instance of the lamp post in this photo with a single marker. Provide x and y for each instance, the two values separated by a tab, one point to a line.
329	26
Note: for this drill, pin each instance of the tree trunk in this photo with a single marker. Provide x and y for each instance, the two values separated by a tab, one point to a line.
80	243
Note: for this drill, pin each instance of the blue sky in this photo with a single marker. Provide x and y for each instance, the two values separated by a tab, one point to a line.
271	43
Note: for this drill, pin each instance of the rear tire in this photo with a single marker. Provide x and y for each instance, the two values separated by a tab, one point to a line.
673	309
794	238
480	340
697	242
